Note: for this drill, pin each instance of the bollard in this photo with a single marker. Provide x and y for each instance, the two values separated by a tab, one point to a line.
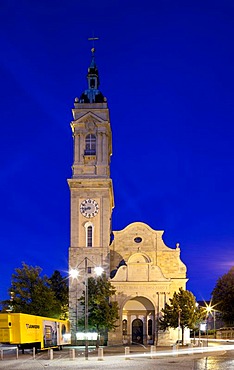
1	354
100	354
190	346
34	353
153	351
50	354
72	354
127	351
175	350
17	353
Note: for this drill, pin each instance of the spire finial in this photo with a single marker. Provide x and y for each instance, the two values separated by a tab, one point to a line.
93	39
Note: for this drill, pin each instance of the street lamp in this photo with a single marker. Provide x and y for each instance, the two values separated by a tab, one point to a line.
207	317
214	326
210	310
74	273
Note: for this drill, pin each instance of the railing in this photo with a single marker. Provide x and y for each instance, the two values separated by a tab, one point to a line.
91	152
225	333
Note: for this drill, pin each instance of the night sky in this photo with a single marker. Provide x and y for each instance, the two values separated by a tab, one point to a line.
166	68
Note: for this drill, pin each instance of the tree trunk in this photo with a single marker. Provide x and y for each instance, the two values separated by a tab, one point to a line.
98	341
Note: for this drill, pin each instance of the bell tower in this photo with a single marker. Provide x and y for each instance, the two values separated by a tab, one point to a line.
90	186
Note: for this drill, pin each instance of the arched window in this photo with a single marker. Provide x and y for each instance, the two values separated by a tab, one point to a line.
90	145
89	234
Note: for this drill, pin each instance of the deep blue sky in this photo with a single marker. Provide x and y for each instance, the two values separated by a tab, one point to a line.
166	68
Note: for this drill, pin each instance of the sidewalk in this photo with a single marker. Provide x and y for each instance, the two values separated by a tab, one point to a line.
114	358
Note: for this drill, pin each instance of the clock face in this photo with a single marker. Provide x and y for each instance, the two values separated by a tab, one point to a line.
89	208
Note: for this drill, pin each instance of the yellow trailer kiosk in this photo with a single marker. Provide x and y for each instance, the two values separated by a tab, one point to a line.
28	331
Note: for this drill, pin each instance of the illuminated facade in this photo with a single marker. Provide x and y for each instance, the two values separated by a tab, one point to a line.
144	271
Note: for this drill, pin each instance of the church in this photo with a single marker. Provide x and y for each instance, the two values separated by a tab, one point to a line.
144	271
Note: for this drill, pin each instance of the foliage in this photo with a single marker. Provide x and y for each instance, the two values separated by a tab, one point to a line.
34	294
223	297
102	311
60	288
181	312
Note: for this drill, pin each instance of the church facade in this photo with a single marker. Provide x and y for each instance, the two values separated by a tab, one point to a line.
143	270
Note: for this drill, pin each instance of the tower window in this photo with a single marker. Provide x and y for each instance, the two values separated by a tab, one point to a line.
90	145
89	229
89	236
92	83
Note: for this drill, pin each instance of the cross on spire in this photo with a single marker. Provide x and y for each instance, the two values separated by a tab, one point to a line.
93	39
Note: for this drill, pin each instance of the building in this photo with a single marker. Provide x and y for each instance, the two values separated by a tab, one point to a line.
144	271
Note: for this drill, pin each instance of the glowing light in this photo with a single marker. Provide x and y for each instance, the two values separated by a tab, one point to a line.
210	308
98	270
203	327
86	336
67	337
74	273
194	350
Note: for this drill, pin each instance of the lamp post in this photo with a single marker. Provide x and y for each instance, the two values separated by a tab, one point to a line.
74	273
86	310
210	310
214	327
207	336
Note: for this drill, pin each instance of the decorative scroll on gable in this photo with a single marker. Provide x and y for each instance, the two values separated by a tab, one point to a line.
139	268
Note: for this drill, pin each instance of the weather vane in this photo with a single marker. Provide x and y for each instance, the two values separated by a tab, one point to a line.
93	39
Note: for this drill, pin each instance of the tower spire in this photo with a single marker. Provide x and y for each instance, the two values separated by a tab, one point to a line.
92	94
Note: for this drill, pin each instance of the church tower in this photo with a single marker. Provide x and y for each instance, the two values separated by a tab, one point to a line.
144	271
91	188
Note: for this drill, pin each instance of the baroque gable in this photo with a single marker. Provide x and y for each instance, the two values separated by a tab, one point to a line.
88	120
138	250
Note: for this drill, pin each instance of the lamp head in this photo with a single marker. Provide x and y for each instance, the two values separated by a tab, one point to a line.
74	273
98	270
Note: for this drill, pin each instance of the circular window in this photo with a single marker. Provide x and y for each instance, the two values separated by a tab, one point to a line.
138	239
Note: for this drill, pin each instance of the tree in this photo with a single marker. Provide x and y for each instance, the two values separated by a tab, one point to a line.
102	311
181	312
223	297
32	293
59	285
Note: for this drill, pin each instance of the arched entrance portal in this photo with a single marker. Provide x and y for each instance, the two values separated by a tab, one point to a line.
138	321
137	331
